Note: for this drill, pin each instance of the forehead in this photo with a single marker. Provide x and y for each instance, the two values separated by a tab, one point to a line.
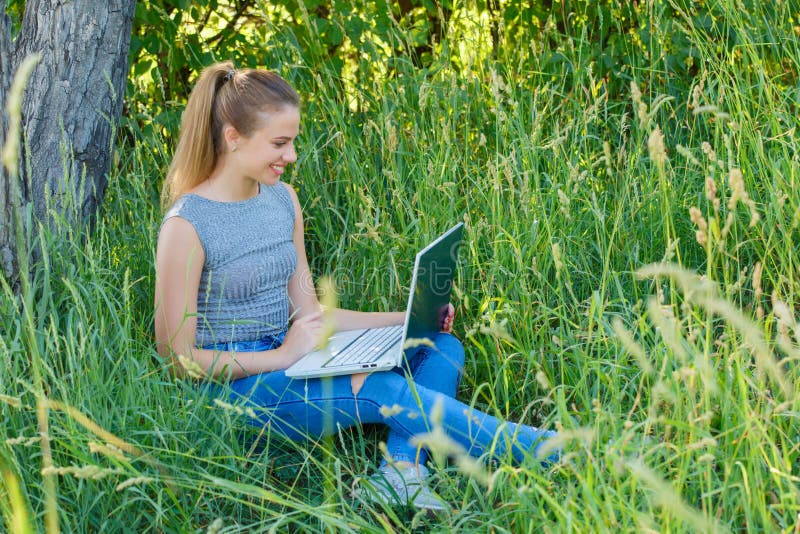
284	122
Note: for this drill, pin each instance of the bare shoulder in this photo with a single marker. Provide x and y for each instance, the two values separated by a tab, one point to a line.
292	192
177	228
178	238
295	200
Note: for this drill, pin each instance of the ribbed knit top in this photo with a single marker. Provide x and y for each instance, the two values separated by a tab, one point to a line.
250	257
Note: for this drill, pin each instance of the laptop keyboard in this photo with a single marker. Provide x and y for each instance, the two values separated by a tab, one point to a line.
367	347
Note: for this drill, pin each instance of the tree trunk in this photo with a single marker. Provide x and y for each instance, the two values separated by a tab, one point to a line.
7	250
71	106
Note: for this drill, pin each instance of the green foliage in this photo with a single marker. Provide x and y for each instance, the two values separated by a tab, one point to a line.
359	42
14	10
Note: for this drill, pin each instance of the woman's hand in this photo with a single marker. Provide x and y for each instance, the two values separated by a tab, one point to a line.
447	319
303	335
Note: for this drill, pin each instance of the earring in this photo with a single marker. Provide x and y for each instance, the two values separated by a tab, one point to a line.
233	149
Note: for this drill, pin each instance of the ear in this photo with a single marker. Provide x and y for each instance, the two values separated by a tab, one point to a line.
231	136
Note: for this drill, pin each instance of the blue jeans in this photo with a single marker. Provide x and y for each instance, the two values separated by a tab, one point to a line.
402	399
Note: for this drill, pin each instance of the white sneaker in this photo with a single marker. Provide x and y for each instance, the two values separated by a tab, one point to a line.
401	485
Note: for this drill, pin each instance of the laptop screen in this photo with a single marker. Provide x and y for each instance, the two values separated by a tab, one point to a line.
431	286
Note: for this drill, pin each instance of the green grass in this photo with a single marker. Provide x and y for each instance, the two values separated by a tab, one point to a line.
678	403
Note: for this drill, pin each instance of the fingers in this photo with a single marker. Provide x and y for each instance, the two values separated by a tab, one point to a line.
447	322
305	333
313	326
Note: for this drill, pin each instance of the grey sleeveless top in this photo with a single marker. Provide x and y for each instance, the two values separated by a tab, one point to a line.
250	257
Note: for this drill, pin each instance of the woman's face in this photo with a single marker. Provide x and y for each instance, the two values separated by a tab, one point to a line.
263	156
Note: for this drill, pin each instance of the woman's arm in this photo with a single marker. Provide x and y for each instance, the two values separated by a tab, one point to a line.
351	320
302	293
179	263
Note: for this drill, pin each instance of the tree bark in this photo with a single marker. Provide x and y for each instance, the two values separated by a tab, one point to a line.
7	252
71	105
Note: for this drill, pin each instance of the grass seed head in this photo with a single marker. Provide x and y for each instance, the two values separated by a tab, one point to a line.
107	449
422	99
702	226
135	481
736	183
25	441
697	94
757	290
563	201
191	367
785	316
92	472
655	145
711	192
708	151
557	257
638	103
686	153
391	411
216	526
608	159
14	402
541	378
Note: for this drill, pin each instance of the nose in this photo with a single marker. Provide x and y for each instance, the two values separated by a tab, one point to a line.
290	156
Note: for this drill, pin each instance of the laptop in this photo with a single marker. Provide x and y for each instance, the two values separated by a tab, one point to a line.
379	349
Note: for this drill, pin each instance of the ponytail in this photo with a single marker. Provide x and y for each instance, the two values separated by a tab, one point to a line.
222	95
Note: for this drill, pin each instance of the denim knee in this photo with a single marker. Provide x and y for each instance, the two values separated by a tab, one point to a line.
387	389
450	346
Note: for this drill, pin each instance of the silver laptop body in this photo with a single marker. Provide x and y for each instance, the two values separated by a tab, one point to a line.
379	349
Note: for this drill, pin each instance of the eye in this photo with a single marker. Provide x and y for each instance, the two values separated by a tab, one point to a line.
280	144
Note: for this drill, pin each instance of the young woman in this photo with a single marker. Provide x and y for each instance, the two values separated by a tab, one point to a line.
234	294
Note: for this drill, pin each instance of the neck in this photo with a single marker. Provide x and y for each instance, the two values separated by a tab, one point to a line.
227	188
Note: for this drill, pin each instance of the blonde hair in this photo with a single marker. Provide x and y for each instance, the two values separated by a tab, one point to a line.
222	95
